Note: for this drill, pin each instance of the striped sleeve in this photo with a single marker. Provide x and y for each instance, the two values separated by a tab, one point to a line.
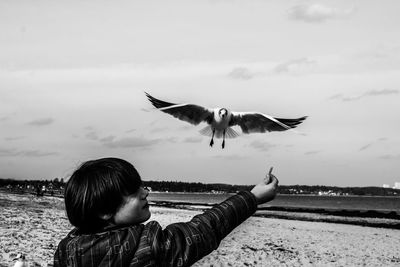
182	244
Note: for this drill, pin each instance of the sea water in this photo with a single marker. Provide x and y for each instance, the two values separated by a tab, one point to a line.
361	203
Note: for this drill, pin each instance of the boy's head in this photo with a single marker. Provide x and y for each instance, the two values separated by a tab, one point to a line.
103	191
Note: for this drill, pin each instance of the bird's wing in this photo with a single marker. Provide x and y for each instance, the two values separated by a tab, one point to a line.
255	122
191	113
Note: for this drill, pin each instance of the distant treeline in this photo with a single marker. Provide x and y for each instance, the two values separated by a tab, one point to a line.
174	186
334	190
57	185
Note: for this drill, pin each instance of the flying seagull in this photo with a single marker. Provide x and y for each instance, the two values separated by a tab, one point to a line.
220	120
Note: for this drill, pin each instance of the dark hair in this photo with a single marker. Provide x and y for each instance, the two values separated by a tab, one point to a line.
97	188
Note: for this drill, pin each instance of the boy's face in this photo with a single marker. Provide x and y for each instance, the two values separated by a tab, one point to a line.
134	210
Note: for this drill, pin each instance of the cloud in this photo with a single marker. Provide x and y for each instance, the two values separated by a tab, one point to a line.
390	157
130	130
92	135
378	52
25	153
365	147
7	117
230	157
4	118
107	139
296	65
381	92
193	140
171	140
382	139
158	129
317	13
14	138
345	98
4	152
241	73
130	142
41	122
89	128
313	152
262	146
366	94
37	153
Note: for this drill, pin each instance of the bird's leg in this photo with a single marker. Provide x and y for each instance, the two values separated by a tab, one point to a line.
223	140
212	138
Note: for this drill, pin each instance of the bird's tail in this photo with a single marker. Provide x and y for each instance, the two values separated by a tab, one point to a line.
206	131
229	132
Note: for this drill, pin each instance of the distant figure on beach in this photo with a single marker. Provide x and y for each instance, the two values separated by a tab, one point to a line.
107	204
20	261
39	191
220	120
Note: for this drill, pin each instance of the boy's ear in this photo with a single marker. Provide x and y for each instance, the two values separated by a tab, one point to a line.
105	217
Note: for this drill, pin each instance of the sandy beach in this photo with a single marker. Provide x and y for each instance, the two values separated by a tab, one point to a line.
34	226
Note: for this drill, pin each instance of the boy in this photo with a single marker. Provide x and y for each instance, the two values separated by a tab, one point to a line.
107	204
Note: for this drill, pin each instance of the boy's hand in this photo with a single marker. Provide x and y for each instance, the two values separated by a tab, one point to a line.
266	190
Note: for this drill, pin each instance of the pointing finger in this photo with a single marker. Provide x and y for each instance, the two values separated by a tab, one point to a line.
267	179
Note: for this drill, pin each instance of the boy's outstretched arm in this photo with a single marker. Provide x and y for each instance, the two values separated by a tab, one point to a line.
182	244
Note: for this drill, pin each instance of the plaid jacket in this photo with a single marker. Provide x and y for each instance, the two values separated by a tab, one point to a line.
179	244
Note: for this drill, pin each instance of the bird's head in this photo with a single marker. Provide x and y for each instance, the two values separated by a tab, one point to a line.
223	112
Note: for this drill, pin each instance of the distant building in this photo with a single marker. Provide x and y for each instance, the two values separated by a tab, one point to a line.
386	186
396	185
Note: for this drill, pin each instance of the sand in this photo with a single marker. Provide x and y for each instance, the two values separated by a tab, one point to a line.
34	226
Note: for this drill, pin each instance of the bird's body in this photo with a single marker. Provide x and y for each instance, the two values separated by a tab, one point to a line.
220	120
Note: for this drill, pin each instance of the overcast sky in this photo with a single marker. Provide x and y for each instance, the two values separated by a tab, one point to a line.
73	75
